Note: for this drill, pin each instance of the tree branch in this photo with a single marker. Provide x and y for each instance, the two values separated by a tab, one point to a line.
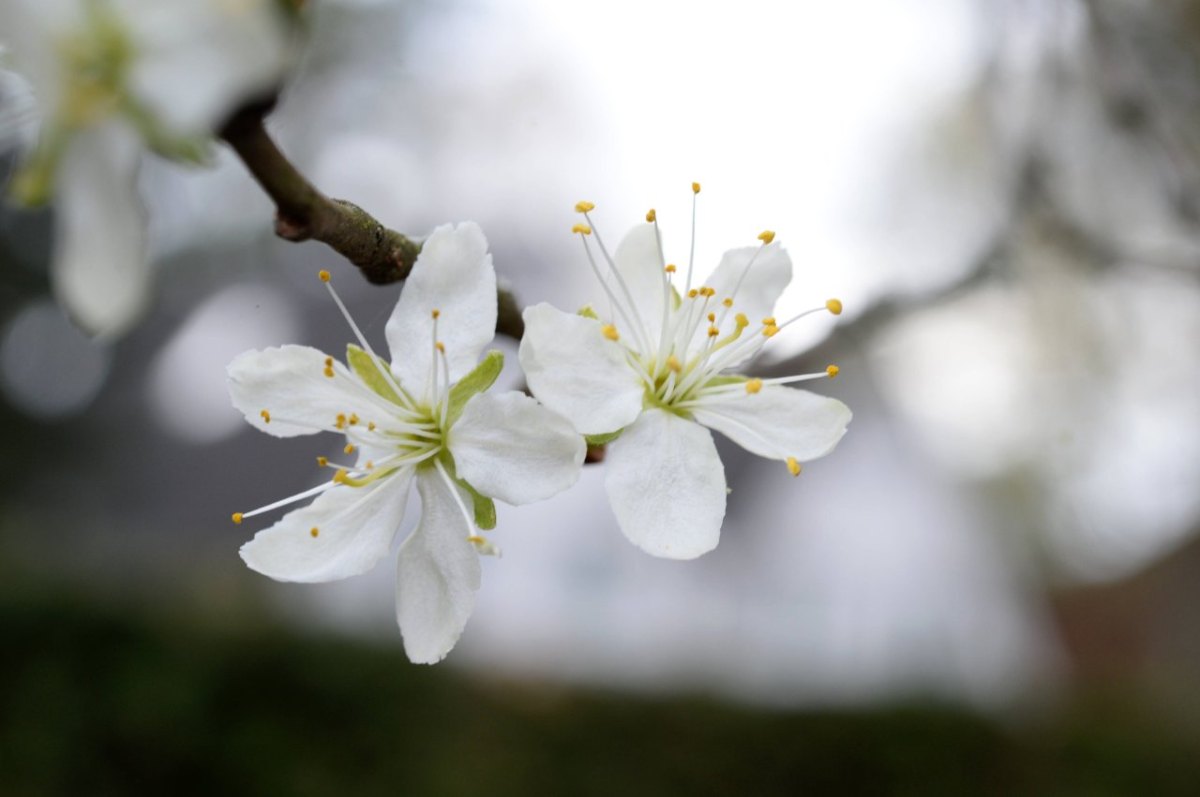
302	213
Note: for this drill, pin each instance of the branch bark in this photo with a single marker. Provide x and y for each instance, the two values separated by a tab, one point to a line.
303	213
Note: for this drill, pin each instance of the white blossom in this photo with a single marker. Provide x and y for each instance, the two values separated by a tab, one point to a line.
110	79
425	420
650	377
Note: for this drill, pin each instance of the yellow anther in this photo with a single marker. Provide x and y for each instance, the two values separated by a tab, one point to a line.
314	531
370	464
695	188
712	318
753	385
322	461
771	331
834	306
349	449
237	517
340	421
833	371
353	420
766	236
328	362
582	229
475	539
371	426
340	476
741	320
670	269
324	275
266	416
436	314
793	466
769	321
706	291
727	301
584	207
440	347
651	216
674	364
713	332
329	371
610	332
693	293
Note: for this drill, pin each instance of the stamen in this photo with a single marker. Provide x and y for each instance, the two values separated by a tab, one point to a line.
770	332
340	421
582	229
769	321
386	373
353	420
322	461
371	426
833	371
266	416
349	449
713	332
454	492
441	347
712	318
670	269
753	385
766	236
635	321
584	206
674	364
695	188
323	275
834	306
291	499
692	251
436	314
610	332
237	518
693	293
727	301
314	531
741	320
793	466
651	216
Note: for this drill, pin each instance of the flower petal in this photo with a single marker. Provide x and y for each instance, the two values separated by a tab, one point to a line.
667	486
763	284
639	261
101	273
355	528
777	422
290	384
453	275
437	574
508	446
574	370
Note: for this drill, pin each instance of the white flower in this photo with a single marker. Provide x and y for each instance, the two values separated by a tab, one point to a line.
424	419
111	77
654	369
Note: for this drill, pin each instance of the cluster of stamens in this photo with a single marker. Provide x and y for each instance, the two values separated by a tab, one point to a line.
701	334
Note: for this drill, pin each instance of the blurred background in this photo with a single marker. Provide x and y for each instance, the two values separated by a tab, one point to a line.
989	587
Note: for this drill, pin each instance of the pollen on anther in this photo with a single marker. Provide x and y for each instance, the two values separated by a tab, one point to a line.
769	321
236	518
370	464
834	306
693	293
435	314
340	476
329	371
651	216
352	420
793	466
340	421
713	332
833	371
322	461
727	301
441	347
766	236
610	332
584	206
741	320
674	364
712	318
582	229
753	385
670	269
314	531
349	449
371	426
771	331
328	362
324	275
695	188
266	416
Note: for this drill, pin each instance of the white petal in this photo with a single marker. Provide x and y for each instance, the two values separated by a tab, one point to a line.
437	574
355	528
640	263
198	60
667	486
764	283
508	446
453	275
778	422
577	372
290	384
101	275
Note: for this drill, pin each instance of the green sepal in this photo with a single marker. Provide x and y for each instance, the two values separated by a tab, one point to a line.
477	381
587	312
485	508
367	370
602	439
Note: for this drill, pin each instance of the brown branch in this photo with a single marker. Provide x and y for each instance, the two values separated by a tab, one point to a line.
302	213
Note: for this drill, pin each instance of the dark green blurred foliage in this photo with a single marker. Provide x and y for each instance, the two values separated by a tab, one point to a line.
106	698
